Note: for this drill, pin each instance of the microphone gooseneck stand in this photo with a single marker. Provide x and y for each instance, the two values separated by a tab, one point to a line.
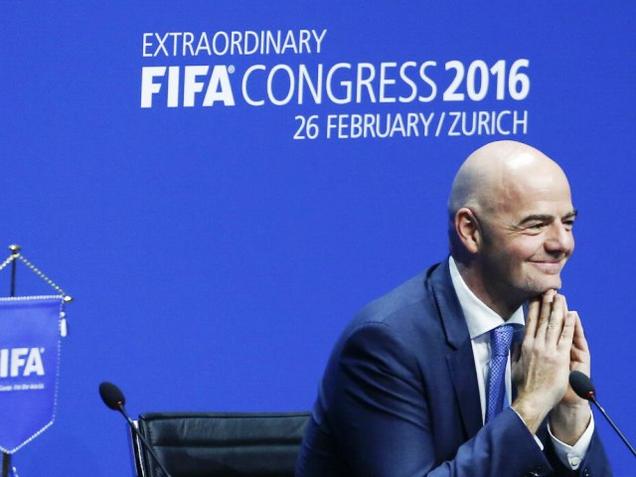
145	443
584	388
115	400
613	424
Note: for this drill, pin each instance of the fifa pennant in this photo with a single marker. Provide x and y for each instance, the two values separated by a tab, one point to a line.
30	346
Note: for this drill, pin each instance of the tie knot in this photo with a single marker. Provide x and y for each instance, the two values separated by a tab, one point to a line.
501	339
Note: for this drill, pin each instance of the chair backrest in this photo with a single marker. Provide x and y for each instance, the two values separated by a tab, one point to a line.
220	444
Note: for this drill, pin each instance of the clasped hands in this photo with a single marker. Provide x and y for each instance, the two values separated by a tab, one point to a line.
554	344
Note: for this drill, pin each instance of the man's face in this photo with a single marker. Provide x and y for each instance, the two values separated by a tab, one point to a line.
527	235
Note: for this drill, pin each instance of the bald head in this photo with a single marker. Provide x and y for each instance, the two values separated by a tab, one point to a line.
500	178
510	227
494	174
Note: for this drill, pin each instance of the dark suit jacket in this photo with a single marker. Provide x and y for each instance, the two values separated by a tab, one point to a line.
399	398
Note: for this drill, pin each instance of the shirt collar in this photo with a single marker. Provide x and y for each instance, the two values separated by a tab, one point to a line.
479	317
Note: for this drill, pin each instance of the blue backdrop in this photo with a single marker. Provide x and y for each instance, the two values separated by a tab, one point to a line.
215	258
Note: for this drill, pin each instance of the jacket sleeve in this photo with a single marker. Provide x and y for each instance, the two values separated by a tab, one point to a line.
381	419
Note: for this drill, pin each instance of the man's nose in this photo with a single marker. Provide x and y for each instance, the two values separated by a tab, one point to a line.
560	239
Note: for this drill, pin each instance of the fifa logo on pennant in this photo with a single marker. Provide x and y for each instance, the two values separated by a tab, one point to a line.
23	362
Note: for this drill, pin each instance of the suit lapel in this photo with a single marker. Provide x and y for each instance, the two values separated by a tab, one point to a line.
460	360
461	365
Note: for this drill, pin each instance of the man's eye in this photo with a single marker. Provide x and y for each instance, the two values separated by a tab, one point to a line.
568	223
537	226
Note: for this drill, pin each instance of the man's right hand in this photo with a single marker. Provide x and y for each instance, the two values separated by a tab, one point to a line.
542	369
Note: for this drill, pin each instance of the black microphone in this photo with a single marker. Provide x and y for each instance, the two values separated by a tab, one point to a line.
115	400
112	396
584	388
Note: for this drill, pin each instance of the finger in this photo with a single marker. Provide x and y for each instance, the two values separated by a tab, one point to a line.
577	356
533	315
565	306
544	314
567	333
579	335
557	317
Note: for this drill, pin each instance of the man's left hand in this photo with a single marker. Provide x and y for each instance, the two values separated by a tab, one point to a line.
570	418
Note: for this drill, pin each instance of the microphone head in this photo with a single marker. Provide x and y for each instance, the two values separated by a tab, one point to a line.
582	385
112	396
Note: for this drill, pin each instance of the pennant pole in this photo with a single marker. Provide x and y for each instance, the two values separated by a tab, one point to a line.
15	251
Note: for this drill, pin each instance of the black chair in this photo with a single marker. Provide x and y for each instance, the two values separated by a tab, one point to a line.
220	444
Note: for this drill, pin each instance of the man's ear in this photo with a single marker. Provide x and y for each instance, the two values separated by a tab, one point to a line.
467	229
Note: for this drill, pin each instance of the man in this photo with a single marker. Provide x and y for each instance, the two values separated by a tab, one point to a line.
420	383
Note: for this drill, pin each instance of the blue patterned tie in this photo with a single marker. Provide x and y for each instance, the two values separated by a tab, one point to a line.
500	341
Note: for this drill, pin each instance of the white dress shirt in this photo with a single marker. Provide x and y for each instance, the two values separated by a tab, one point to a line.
481	320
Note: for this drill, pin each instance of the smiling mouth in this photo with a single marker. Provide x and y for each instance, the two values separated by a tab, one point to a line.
551	268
